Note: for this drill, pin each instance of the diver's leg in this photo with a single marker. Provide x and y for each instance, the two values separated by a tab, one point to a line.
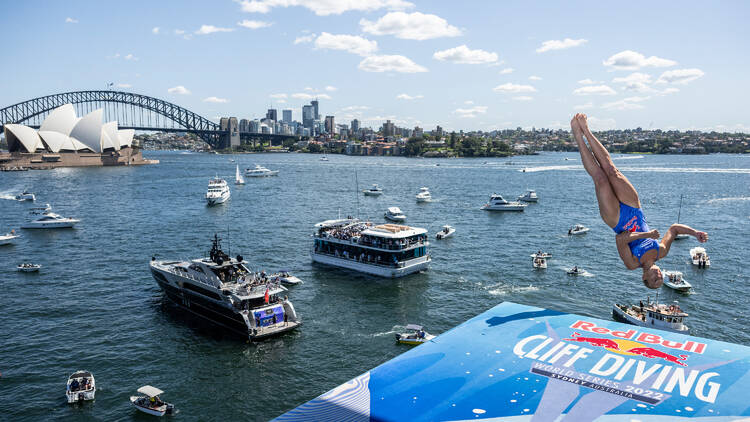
609	205
624	190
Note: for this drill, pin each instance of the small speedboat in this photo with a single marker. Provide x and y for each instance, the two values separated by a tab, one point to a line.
25	196
541	254
675	280
287	278
7	238
424	195
575	271
529	196
699	257
150	402
81	387
447	231
497	203
395	214
375	190
414	335
578	229
539	262
28	267
46	219
324	158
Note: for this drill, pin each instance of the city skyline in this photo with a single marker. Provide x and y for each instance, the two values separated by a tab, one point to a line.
480	66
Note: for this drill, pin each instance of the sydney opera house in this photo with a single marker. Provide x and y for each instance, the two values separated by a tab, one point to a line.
64	140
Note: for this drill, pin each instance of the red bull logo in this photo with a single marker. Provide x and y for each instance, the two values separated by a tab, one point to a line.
638	339
627	347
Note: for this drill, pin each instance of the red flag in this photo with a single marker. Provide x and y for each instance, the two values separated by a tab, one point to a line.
267	297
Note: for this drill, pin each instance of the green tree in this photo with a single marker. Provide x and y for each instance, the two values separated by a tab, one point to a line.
414	147
453	140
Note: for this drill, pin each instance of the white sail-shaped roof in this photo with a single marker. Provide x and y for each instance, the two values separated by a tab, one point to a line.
56	141
27	137
126	137
78	145
109	136
61	120
89	130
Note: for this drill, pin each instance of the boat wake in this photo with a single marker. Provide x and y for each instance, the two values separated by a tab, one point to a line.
729	199
502	290
396	329
628	157
7	195
645	169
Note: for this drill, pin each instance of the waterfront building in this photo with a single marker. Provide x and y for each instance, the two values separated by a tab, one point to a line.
64	140
355	126
307	116
386	250
389	129
316	111
418	132
286	116
244	125
439	132
254	126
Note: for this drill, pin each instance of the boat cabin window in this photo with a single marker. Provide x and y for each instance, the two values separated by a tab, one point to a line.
196	268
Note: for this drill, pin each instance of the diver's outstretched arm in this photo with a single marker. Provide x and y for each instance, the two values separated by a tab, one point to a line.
671	235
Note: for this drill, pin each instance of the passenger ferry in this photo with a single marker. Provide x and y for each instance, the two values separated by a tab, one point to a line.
386	250
218	191
653	315
224	291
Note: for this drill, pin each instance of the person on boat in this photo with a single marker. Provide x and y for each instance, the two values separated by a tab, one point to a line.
620	209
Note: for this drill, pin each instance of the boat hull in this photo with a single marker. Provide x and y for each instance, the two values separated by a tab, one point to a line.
54	225
412	266
621	316
443	235
78	396
372	193
504	208
395	219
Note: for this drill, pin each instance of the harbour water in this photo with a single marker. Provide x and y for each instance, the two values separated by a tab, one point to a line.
95	306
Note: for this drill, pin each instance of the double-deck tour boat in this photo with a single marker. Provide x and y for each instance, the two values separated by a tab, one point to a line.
224	291
218	191
386	250
652	314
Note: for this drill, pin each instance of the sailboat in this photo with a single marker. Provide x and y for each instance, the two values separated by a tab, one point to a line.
680	236
238	180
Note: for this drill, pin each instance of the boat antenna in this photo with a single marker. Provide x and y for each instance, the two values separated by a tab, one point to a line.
680	210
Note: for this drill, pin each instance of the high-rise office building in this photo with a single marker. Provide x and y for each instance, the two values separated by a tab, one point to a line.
271	114
316	111
330	126
439	132
355	126
307	116
286	116
244	125
389	129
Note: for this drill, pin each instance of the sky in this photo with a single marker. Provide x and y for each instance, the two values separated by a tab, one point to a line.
463	65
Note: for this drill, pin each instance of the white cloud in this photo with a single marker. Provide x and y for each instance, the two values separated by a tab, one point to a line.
630	103
535	78
390	63
179	89
550	45
636	81
309	88
594	90
631	60
589	82
507	71
304	39
355	108
325	7
680	76
210	29
408	97
601	124
246	23
349	43
586	106
523	98
215	100
278	96
306	96
131	57
155	30
410	26
470	113
71	20
124	85
511	88
668	91
469	102
462	54
330	88
179	32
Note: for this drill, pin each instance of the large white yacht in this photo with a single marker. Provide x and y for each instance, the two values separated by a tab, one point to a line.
395	214
652	315
497	203
386	250
44	218
218	191
424	195
224	291
260	171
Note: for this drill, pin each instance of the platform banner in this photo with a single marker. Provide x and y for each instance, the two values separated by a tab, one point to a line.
521	363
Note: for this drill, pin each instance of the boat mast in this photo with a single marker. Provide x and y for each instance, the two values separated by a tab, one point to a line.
356	190
680	210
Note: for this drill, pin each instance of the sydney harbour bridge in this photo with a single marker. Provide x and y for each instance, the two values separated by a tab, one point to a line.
134	111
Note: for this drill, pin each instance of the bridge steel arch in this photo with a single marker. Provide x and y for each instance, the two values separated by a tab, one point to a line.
191	122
